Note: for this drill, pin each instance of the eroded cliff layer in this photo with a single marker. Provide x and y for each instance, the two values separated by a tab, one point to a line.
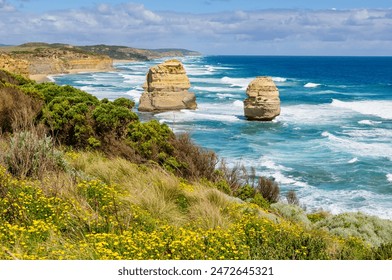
18	66
45	59
166	88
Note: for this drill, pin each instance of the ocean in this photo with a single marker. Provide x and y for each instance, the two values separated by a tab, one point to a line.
332	143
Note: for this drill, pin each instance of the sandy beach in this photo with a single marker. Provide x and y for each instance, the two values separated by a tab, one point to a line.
42	78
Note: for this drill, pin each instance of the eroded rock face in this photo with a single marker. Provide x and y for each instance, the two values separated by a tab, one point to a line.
263	103
166	88
17	66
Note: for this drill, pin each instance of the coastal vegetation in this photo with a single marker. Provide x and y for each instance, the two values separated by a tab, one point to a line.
83	178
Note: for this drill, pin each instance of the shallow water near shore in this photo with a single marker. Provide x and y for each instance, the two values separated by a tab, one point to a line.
332	143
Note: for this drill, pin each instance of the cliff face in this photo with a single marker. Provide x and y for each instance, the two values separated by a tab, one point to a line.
166	88
263	103
44	59
127	53
57	61
18	66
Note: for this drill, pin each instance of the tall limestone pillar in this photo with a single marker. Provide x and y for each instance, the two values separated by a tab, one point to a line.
166	89
263	103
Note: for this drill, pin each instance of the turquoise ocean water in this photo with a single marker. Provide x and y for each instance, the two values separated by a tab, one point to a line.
332	143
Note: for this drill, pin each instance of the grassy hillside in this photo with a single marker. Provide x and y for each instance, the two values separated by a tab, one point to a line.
82	178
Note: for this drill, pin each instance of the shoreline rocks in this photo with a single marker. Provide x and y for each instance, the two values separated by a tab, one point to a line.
263	103
166	89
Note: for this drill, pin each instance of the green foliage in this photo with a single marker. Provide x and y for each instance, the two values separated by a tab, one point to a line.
150	140
318	216
12	78
113	117
94	142
124	102
260	201
384	252
223	186
245	192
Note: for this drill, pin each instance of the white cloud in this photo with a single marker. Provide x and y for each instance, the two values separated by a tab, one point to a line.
6	7
263	31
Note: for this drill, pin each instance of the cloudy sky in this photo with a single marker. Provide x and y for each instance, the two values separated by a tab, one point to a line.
279	27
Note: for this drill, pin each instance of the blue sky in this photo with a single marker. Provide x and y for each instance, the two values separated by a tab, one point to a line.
280	27
206	6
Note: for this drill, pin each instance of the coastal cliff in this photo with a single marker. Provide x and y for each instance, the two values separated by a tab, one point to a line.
37	60
44	59
166	88
18	66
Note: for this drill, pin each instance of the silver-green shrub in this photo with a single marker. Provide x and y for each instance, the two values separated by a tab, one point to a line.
371	229
291	212
31	153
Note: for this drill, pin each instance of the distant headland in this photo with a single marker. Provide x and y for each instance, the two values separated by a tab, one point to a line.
38	60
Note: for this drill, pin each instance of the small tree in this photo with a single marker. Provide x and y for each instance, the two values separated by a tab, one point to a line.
269	189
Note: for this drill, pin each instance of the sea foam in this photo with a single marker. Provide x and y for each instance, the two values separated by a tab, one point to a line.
380	150
382	109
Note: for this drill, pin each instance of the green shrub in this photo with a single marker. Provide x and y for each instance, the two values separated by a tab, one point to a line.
112	118
150	139
124	102
245	192
259	200
383	252
318	216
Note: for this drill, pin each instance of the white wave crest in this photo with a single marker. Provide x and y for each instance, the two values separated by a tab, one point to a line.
382	108
381	150
133	79
191	116
311	85
279	79
226	95
215	89
389	177
369	122
237	82
135	94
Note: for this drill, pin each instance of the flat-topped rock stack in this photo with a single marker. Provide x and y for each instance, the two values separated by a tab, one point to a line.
263	103
166	88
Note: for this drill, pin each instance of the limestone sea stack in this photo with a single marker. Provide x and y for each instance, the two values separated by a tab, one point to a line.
166	89
263	103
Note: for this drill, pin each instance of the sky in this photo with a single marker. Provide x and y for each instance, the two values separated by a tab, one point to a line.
247	27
